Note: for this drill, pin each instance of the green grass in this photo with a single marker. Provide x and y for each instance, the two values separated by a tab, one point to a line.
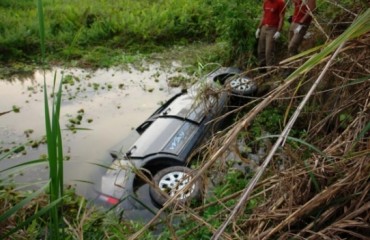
101	33
91	30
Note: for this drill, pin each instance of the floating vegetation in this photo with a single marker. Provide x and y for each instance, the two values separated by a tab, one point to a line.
16	109
68	79
156	75
76	120
19	149
31	88
35	144
95	86
28	132
178	81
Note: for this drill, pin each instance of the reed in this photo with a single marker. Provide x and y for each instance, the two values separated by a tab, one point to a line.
55	183
55	158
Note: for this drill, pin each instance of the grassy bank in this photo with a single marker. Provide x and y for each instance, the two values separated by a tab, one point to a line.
95	31
103	33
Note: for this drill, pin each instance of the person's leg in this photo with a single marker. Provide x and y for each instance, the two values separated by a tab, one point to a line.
291	32
270	46
296	39
289	70
262	48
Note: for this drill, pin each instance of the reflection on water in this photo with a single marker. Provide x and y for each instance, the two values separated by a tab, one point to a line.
108	102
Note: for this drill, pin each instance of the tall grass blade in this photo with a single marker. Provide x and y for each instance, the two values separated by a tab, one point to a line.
22	203
55	156
29	163
37	215
312	147
280	141
359	27
40	12
10	152
145	206
363	132
60	142
54	141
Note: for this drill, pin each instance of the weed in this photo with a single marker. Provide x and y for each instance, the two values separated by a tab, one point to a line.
68	79
178	81
16	109
28	132
121	86
270	119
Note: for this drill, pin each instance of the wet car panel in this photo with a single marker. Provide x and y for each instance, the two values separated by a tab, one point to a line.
167	138
171	138
184	107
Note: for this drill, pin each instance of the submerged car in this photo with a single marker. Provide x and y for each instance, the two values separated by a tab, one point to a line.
153	162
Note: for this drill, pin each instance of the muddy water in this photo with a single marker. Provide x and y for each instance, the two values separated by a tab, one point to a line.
110	102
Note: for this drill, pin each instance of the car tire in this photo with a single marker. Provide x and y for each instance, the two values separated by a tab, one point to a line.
241	86
167	183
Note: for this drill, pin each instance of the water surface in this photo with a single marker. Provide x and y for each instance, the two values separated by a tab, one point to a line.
111	103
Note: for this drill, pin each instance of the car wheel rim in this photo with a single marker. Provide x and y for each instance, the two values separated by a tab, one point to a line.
241	84
175	182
